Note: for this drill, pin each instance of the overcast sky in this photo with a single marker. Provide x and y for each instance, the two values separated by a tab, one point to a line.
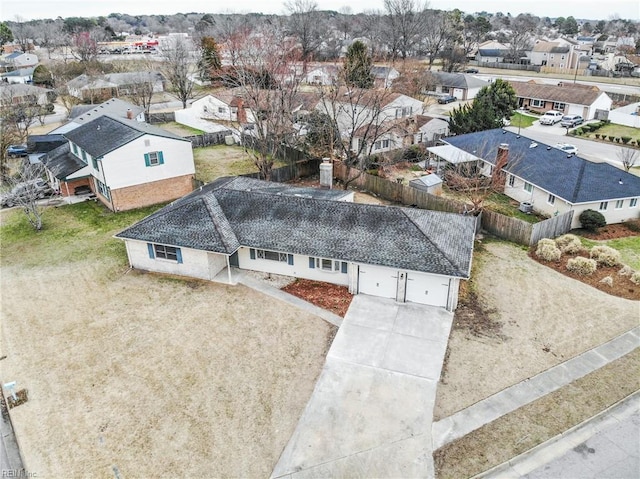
30	9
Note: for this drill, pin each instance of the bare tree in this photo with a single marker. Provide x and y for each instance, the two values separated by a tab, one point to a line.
358	117
628	157
268	84
522	28
306	24
27	188
19	112
178	67
406	24
23	33
438	33
374	28
8	136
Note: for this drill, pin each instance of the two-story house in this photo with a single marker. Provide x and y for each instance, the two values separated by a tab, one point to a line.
127	164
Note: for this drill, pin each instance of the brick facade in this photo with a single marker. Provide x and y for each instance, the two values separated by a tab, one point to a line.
149	193
67	188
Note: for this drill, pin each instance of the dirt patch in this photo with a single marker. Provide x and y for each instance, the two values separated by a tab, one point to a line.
327	296
613	231
532	318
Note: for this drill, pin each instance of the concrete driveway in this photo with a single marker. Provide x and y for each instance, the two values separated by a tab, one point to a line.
371	411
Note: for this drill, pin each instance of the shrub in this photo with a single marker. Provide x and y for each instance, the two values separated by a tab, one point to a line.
569	244
597	136
605	255
591	220
582	266
607	280
625	139
635	277
547	250
611	137
626	270
578	131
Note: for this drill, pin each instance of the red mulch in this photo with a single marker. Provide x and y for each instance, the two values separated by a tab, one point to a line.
622	285
327	296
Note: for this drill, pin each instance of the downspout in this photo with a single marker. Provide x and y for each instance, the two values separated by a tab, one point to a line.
228	268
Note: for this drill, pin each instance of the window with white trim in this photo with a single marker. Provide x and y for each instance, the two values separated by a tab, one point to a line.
536	102
329	265
633	202
619	204
528	187
222	109
551	199
271	255
102	188
558	106
164	252
74	148
603	205
512	180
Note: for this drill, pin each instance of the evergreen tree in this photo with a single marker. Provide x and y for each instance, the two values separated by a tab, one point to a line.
357	66
491	105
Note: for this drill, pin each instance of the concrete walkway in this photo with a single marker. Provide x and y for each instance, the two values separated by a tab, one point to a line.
371	410
483	412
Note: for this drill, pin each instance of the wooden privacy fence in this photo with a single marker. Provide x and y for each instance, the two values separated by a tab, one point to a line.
292	171
505	227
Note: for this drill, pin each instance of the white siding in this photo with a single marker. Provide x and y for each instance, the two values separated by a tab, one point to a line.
299	269
194	262
126	165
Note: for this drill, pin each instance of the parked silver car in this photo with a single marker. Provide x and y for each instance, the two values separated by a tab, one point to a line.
34	189
569	121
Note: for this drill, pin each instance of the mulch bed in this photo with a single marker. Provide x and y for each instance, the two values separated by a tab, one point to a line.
327	296
622	285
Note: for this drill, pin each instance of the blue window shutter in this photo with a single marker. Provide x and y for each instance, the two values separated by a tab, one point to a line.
344	266
160	158
312	262
146	159
290	259
151	252
179	255
252	253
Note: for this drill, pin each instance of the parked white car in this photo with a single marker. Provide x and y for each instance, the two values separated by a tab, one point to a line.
551	117
568	148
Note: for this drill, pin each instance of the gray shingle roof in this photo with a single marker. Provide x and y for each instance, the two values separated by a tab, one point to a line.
563	94
108	133
62	163
221	217
459	80
573	179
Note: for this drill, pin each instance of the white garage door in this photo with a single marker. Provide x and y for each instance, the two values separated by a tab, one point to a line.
575	110
426	289
378	281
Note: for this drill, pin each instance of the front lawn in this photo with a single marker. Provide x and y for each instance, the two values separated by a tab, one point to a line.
522	121
629	248
617	131
221	160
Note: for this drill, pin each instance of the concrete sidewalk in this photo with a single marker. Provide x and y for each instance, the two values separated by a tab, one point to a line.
483	412
371	410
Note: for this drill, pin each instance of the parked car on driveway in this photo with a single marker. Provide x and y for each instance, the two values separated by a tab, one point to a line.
17	150
472	70
551	117
443	100
567	148
34	189
569	121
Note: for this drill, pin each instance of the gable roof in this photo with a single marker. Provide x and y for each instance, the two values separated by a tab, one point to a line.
458	80
115	107
61	163
224	215
572	178
108	133
562	94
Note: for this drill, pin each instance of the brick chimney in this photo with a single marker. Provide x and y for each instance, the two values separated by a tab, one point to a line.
129	114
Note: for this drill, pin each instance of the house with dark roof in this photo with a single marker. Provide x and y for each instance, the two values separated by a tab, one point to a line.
110	85
127	164
568	98
492	52
383	76
407	254
550	180
461	85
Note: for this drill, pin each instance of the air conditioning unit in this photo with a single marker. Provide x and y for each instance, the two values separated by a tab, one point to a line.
526	207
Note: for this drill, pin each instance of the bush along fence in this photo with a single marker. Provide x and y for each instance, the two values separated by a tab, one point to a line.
292	171
511	229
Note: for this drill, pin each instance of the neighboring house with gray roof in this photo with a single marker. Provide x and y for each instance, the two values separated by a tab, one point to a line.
552	181
568	98
407	254
461	85
21	75
81	114
492	52
103	87
127	164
